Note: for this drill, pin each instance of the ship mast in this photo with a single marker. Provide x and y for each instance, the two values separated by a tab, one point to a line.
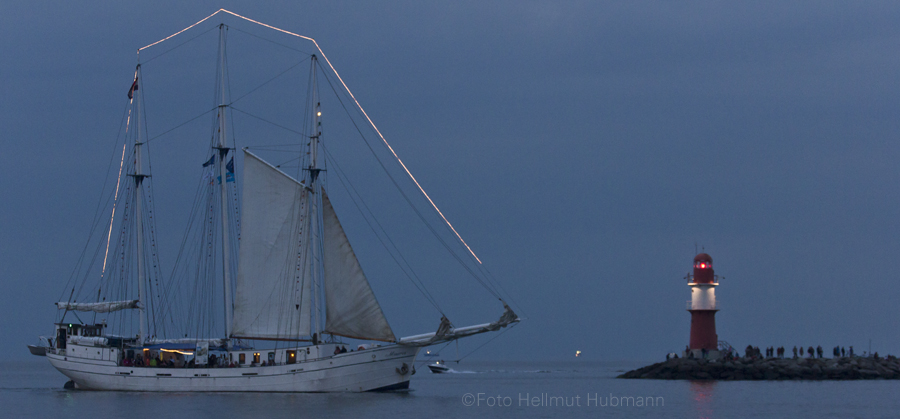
223	184
316	190
138	211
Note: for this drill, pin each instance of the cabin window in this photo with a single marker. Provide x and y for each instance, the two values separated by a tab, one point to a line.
242	358
61	338
256	357
291	357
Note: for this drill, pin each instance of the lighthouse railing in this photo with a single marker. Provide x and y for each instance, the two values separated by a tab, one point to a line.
690	279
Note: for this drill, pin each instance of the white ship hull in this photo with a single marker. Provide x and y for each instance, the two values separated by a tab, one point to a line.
376	369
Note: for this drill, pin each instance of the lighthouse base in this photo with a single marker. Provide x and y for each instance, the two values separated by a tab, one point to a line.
698	354
703	330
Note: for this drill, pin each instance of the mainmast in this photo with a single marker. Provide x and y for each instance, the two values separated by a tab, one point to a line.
223	184
138	208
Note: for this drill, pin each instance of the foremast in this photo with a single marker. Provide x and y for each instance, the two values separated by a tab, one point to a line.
138	177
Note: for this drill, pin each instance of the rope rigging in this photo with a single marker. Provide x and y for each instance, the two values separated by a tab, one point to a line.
428	225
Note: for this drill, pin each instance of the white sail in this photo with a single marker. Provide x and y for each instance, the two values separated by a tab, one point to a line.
351	309
104	307
272	290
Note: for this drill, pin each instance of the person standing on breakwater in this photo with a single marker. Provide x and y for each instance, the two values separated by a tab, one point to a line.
851	351
811	352
795	352
843	352
819	351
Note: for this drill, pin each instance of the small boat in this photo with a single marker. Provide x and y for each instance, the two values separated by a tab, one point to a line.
439	367
38	350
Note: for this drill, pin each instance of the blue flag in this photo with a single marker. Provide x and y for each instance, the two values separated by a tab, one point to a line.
230	166
212	160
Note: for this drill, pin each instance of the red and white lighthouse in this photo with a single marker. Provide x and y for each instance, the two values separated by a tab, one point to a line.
703	307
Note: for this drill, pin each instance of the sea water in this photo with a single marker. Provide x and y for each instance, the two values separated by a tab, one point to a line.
537	389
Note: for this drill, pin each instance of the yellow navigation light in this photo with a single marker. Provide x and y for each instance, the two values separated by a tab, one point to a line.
189	352
319	113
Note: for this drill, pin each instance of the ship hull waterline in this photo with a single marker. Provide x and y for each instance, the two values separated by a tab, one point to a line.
378	369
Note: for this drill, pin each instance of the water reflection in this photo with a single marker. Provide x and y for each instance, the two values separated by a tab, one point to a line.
702	397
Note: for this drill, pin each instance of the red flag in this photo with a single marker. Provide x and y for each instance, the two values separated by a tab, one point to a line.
134	86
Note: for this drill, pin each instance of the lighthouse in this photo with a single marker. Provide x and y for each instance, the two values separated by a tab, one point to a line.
703	308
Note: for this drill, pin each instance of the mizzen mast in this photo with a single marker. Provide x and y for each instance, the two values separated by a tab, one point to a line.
315	188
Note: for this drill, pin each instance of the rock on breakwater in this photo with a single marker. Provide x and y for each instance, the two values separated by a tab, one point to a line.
855	368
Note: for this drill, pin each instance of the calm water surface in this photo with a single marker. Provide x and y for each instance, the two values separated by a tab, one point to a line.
476	389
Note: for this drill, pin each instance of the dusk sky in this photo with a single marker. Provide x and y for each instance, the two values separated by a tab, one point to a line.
584	150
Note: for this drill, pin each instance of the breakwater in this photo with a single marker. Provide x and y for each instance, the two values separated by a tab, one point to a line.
846	368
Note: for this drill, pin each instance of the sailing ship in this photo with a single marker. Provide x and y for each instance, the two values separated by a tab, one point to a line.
298	285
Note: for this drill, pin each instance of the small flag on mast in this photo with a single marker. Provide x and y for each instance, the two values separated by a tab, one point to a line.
229	171
212	160
134	86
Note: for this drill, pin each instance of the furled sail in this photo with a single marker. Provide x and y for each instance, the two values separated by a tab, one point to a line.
351	309
103	307
446	332
272	290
